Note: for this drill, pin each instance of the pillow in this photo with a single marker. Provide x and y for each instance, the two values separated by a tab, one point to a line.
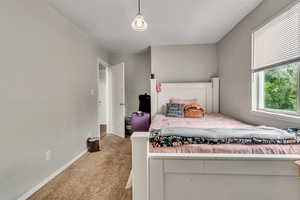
175	110
193	111
183	101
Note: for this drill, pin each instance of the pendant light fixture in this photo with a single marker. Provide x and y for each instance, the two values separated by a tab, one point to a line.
139	24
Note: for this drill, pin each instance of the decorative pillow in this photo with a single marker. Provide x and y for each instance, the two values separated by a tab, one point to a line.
183	101
175	110
193	111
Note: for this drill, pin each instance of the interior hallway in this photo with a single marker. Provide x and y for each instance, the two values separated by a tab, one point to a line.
95	176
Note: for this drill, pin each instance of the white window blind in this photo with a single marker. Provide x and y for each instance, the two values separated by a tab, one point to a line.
278	41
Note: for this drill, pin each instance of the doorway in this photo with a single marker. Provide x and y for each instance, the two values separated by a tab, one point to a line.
111	98
103	98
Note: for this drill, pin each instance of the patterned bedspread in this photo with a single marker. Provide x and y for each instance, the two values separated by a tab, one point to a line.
158	140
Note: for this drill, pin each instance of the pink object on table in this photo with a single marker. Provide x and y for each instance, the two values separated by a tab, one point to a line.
158	87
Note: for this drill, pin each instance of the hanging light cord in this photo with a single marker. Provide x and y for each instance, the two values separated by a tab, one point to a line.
139	6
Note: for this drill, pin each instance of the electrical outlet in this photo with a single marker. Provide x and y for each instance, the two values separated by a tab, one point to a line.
48	155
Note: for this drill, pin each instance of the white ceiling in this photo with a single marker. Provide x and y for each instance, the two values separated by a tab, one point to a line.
170	21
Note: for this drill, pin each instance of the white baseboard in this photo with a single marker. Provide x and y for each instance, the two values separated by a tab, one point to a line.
49	178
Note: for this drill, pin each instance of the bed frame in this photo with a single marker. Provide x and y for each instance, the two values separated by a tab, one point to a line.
207	93
177	176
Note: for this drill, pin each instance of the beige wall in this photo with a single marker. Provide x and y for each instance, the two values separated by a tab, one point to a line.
47	68
137	76
184	63
234	58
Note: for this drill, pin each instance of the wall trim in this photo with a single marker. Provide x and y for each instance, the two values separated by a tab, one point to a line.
30	192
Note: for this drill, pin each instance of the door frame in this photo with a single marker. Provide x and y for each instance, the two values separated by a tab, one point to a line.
107	94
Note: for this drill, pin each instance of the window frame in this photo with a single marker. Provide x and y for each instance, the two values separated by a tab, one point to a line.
257	96
257	85
261	90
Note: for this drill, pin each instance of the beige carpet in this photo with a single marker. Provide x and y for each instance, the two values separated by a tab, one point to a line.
95	176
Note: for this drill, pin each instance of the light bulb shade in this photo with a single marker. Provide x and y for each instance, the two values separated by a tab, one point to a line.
139	24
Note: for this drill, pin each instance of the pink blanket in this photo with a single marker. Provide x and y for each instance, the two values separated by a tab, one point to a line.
216	121
213	120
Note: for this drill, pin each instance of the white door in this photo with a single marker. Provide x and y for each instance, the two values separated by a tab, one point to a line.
118	99
102	97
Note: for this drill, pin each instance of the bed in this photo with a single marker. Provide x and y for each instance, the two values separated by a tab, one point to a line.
215	120
212	172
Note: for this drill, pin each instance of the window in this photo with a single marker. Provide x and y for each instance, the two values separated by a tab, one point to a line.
276	64
279	89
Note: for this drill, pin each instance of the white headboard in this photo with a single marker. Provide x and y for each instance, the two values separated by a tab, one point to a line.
206	93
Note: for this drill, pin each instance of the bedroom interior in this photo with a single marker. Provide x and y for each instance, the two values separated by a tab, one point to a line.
150	100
